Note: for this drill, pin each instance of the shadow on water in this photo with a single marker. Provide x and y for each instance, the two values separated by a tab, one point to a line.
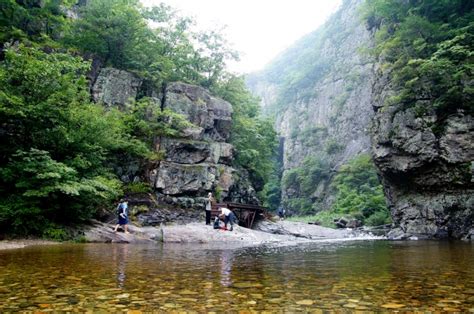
363	275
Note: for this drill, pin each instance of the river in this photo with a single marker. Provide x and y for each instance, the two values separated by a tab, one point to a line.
370	275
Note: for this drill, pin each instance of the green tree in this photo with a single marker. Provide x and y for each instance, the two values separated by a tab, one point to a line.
34	21
253	137
111	30
359	192
54	166
118	33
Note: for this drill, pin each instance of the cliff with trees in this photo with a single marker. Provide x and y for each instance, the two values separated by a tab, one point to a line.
101	99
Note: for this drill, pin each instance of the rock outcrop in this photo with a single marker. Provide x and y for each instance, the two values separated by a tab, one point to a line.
211	116
426	163
201	162
115	87
198	162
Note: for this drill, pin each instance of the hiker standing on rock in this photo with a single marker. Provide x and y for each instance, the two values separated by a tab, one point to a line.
122	211
210	200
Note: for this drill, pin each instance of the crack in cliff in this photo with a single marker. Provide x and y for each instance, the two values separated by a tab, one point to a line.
163	96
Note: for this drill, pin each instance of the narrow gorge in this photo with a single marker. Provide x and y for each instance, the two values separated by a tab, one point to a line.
332	100
368	119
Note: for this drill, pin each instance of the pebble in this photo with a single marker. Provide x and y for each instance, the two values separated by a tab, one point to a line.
350	305
392	306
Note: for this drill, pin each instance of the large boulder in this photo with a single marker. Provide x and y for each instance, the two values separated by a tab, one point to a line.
210	115
174	178
115	87
193	152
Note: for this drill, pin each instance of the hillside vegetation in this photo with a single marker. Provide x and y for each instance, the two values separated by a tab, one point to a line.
426	48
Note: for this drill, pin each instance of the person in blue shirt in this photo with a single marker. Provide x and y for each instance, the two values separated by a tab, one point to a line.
281	212
122	211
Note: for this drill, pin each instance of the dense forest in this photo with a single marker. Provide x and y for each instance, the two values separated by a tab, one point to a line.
55	169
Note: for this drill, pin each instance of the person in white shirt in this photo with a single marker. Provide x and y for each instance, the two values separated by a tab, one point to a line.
228	216
210	200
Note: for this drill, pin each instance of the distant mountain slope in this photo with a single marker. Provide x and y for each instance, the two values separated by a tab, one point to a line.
319	91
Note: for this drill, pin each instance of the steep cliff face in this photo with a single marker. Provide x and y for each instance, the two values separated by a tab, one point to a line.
426	163
320	92
198	162
201	161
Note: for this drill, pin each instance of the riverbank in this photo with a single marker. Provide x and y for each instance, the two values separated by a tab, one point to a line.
265	232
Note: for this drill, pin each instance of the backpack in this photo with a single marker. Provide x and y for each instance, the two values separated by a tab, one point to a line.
120	208
216	223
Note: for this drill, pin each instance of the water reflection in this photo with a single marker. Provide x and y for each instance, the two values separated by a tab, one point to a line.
120	255
226	260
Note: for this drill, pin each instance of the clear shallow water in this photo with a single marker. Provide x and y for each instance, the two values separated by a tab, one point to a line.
358	275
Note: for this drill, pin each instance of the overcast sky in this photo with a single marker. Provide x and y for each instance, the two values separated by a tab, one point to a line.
258	29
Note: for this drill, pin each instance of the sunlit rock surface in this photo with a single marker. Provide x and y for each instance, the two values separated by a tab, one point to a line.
266	232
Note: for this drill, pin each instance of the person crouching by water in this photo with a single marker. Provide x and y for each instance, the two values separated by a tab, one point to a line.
122	211
228	216
210	200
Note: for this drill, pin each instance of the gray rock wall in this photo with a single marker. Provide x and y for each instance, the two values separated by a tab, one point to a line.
201	162
426	163
115	87
197	163
211	116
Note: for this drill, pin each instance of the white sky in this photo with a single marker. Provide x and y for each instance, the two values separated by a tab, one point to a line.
258	29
